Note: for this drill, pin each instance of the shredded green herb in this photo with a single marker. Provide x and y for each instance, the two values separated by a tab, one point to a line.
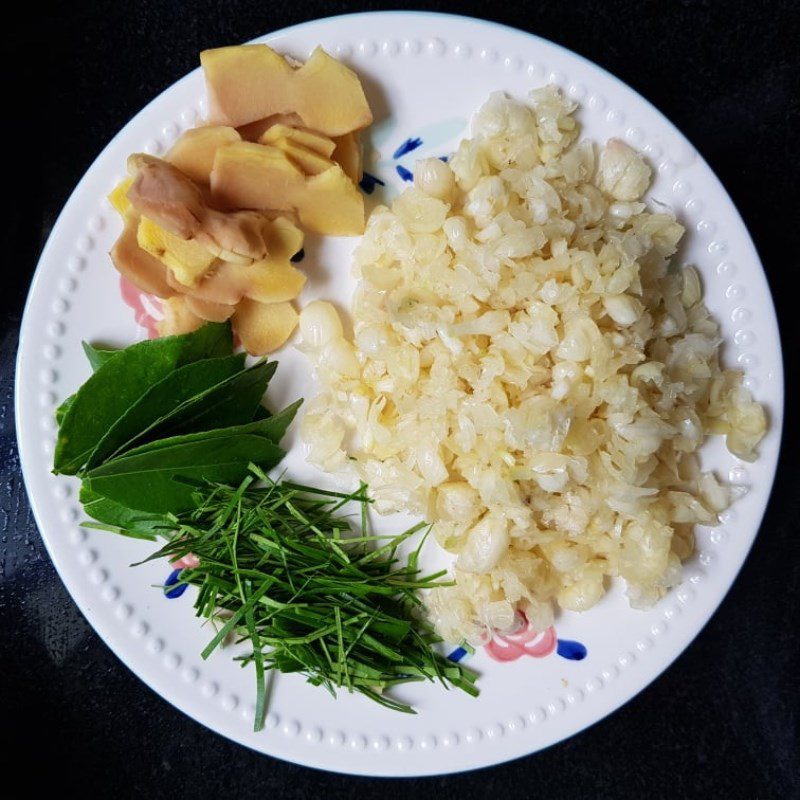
283	568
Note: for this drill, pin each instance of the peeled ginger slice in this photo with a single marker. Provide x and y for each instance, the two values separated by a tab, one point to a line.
262	328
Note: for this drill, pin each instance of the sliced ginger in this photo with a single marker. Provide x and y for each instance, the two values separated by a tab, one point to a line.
317	142
187	259
349	156
161	262
229	283
247	175
309	161
178	318
193	152
271	280
252	82
262	328
253	131
162	193
139	267
202	228
119	197
209	310
300	144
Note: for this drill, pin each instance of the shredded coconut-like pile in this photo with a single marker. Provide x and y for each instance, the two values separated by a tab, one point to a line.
530	373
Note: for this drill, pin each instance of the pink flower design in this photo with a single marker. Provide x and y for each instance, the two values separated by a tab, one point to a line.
146	308
523	642
189	561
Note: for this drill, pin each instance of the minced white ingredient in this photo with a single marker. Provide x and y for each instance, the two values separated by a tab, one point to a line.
530	372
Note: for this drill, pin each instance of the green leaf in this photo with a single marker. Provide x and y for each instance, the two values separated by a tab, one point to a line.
61	411
261	413
131	534
121	381
149	480
97	356
162	399
274	427
213	340
119	516
260	427
233	401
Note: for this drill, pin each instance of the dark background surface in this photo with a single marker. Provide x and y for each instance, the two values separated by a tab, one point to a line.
723	720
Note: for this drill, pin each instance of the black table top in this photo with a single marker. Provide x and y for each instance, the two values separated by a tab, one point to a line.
722	721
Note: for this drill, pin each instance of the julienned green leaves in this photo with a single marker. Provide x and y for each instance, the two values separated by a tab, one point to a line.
284	568
160	418
120	381
162	479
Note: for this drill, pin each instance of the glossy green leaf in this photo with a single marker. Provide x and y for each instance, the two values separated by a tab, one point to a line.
61	411
150	479
121	381
233	401
98	356
108	512
161	400
268	428
274	427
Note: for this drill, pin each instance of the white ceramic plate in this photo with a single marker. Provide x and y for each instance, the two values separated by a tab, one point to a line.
425	74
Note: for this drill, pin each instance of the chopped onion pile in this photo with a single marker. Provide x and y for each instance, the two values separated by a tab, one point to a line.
530	373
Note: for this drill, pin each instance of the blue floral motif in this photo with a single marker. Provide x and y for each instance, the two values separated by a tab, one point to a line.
437	136
407	146
369	182
172	580
457	654
572	651
406	174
